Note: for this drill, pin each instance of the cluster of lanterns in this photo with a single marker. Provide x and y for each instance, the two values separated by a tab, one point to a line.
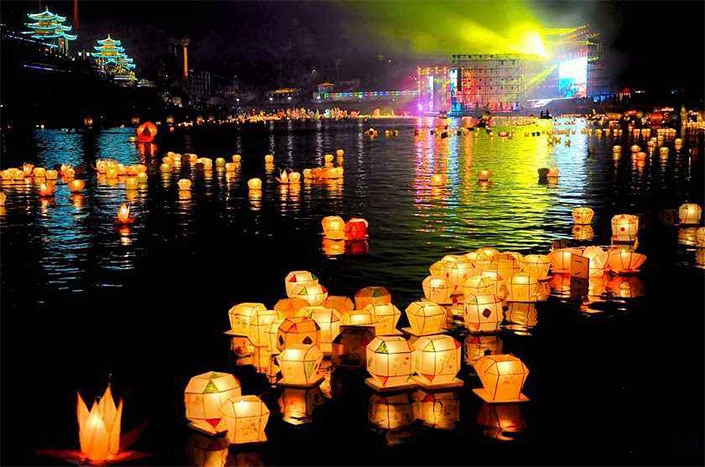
341	237
45	180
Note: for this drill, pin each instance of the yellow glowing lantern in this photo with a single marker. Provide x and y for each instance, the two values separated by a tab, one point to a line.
294	178
699	237
299	365
314	294
389	362
583	215
622	261
142	177
251	319
245	418
99	428
439	410
506	265
269	159
482	313
437	290
616	148
328	320
560	259
625	227
3	198
220	162
131	183
484	175
375	295
438	180
203	396
298	404
521	315
502	378
537	265
436	361
553	172
308	174
689	213
598	260
333	247
340	303
295	279
297	330
254	184
523	287
503	422
385	318
454	268
391	412
478	345
237	158
123	214
328	158
39	172
478	285
290	306
27	169
76	185
47	189
333	227
635	148
425	318
184	184
339	152
231	167
165	168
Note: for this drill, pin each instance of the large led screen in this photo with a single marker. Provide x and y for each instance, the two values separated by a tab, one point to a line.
572	78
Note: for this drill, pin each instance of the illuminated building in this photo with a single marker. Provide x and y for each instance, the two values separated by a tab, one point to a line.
49	28
327	95
435	88
111	58
283	96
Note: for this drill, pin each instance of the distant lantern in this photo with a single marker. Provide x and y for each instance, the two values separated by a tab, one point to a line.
482	313
184	184
203	397
245	418
616	149
290	306
131	183
242	316
635	148
47	190
39	172
123	215
598	260
296	279
437	290
583	232
425	318
689	214
314	294
27	169
478	345
146	132
237	158
523	287
502	378
538	265
339	152
436	361
328	320
350	346
99	428
297	330
391	412
625	227
299	365
165	168
438	180
375	295
624	261
356	229
333	227
553	172
484	175
220	162
76	185
437	409
700	237
294	178
386	317
583	215
254	184
389	362
340	303
454	268
268	159
560	259
3	198
51	174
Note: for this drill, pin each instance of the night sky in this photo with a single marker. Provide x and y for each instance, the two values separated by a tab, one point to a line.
647	43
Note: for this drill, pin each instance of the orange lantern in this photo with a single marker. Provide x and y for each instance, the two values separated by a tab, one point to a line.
52	174
295	279
27	169
254	184
478	345
482	313
328	320
454	268
625	227
269	159
699	237
99	428
391	412
299	365
184	184
289	306
623	261
242	315
436	361
438	180
297	330
333	227
502	422
502	378
425	318
385	318
479	285
47	190
506	264
439	410
146	132
76	185
203	396
389	362
298	404
356	229
560	259
342	304
583	215
375	295
537	265
39	172
314	294
362	317
690	213
598	260
246	418
437	290
523	287
123	215
484	175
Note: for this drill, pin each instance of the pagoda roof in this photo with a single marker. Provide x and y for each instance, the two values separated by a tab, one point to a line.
47	15
109	40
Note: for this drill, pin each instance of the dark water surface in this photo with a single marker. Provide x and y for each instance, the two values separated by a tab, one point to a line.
622	384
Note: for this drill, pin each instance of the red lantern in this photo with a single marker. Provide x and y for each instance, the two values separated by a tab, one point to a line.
146	132
356	229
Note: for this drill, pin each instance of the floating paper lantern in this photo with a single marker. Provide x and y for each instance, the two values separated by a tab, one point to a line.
583	215
699	237
333	247
27	169
625	227
184	184
314	294
623	261
478	285
123	215
99	428
76	185
553	172
220	162
269	159
598	260
298	404
254	184
290	306
389	362
146	132
616	148
273	335
297	330
537	265
296	279
478	345
689	213
165	168
560	259
237	158
502	378
339	152
437	290
385	318
482	313
356	229
362	317
506	264
328	320
439	410
294	178
47	189
436	361
484	175
523	287
454	268
39	172
243	315
203	396
635	148
438	180
425	317
333	227
341	304
299	365
142	177
502	422
51	174
375	295
350	346
246	418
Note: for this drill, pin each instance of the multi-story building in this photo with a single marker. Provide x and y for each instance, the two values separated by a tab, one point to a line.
435	89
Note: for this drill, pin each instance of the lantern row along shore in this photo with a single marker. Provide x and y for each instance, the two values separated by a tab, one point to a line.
296	344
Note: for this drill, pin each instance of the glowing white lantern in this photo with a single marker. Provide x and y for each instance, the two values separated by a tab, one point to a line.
246	418
425	318
328	320
583	215
299	365
453	268
385	318
314	294
479	285
622	261
482	313
436	361
625	227
297	331
690	213
598	260
389	362
241	317
298	278
502	377
203	397
333	227
560	259
523	287
437	290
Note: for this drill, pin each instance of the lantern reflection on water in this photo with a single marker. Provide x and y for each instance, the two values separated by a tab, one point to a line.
298	404
99	429
502	422
299	365
477	346
425	318
522	316
296	331
389	362
689	214
245	418
375	295
583	215
437	290
333	247
438	409
583	232
391	412
699	237
350	346
502	377
626	287
482	313
385	318
204	395
207	451
687	236
436	361
314	294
